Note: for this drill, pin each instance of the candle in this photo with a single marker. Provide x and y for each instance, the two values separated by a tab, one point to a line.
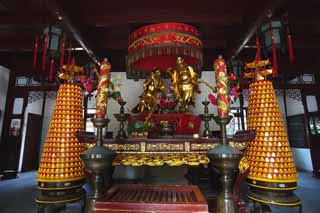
103	87
222	87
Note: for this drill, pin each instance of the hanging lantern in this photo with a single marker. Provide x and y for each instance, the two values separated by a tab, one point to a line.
54	40
236	66
272	39
52	43
159	45
273	26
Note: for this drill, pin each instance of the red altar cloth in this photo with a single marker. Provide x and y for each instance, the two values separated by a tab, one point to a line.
185	124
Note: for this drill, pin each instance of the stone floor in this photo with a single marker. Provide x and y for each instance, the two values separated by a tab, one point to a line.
17	195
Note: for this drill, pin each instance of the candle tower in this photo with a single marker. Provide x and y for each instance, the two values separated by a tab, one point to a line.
272	172
61	171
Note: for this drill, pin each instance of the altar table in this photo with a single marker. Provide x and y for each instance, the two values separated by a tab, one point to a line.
158	152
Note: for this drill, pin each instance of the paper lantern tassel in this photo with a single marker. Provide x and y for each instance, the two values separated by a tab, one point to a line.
35	52
44	54
258	53
274	54
51	69
290	48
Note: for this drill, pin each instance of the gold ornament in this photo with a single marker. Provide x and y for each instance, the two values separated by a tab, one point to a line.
152	87
185	83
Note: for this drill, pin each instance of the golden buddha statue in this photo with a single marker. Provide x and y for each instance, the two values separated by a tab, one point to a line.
152	87
185	83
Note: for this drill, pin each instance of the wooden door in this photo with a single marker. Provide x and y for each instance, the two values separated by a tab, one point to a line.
312	115
32	143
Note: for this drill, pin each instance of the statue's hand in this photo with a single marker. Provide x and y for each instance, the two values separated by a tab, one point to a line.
169	70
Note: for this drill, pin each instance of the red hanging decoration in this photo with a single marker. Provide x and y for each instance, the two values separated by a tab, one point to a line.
44	54
258	53
35	52
62	51
289	40
159	45
290	48
51	69
69	55
274	54
73	61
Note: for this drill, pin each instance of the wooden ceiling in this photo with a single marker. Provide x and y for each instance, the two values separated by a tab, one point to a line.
105	26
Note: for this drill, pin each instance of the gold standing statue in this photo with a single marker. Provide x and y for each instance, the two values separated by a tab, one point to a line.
152	87
185	83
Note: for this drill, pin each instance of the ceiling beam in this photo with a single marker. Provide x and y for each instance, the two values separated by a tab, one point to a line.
270	8
25	20
147	17
67	23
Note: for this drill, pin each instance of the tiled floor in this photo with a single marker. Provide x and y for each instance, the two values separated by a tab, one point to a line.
17	196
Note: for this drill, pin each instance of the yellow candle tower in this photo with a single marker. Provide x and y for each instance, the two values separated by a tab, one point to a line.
61	171
272	172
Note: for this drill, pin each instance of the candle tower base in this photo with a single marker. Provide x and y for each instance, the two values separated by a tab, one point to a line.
226	160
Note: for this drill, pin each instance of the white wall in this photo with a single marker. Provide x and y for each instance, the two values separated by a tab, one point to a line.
302	159
130	91
4	79
209	77
294	107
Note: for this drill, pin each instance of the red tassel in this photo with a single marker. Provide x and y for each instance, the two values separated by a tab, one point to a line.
69	55
258	53
274	54
62	52
290	48
44	54
35	52
51	69
73	61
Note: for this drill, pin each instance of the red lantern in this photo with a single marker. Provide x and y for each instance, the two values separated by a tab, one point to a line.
159	45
